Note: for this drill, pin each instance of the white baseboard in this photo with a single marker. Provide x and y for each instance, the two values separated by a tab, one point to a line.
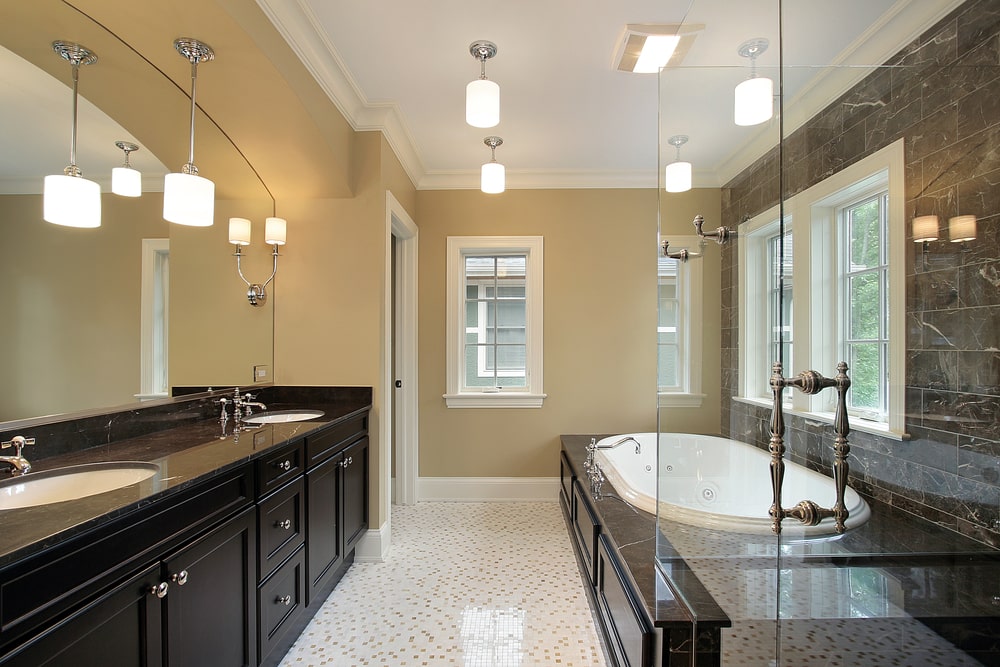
472	489
373	546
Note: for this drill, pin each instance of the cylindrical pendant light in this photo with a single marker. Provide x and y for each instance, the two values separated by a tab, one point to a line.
126	181
753	100
677	175
482	96
189	199
493	179
69	199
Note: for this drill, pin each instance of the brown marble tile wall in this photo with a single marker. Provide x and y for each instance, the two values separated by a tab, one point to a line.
942	95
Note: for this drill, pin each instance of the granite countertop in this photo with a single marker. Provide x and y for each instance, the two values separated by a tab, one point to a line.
186	454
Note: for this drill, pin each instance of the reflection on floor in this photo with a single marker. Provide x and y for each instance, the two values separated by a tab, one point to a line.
471	584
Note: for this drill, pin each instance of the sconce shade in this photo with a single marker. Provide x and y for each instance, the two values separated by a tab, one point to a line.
274	231
493	179
754	101
71	201
188	200
482	103
962	228
925	228
239	231
677	177
126	182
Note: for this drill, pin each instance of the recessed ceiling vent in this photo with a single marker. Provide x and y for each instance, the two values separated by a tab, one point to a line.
645	48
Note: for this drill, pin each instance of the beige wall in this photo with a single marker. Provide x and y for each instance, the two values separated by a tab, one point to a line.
600	326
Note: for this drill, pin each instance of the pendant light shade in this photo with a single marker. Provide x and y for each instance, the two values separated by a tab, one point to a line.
482	96
677	175
753	101
126	181
493	179
69	199
189	199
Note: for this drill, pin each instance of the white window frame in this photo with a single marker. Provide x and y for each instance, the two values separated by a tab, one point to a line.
154	319
690	295
532	395
812	215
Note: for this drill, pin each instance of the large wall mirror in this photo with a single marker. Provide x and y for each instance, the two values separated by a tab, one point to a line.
73	336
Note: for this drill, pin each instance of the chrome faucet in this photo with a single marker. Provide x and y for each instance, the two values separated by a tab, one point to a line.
18	464
616	443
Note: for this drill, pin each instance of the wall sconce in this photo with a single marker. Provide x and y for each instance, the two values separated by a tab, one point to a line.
925	229
125	180
493	178
482	96
69	199
239	235
962	228
677	175
754	98
189	199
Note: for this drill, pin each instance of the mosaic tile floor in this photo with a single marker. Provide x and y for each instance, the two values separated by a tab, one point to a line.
470	584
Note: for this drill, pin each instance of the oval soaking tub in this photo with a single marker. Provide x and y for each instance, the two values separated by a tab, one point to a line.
718	483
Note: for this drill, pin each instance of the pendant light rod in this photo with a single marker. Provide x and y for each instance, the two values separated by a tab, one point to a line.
483	50
76	55
196	52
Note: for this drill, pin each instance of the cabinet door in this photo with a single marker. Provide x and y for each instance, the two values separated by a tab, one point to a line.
210	616
323	535
355	466
121	628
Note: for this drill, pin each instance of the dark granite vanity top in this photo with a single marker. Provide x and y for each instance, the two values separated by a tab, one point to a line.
188	449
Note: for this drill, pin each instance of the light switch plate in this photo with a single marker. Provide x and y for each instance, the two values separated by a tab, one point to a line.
262	373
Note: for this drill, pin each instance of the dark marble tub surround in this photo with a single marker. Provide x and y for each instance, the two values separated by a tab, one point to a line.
186	450
940	94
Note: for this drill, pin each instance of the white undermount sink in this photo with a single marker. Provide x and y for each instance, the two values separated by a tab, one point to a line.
283	416
71	483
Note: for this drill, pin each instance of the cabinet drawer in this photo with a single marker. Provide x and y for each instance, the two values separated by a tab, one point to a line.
629	631
325	444
280	600
566	483
274	470
587	528
280	526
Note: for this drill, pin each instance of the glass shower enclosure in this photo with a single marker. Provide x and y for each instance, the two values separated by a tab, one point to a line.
854	231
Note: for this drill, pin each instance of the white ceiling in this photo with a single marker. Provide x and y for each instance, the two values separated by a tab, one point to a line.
568	118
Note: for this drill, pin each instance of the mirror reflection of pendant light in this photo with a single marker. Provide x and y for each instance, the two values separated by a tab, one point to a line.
125	180
493	180
482	96
69	198
754	98
189	199
677	175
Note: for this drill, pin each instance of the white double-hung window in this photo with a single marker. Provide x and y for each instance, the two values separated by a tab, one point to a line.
679	293
847	234
494	321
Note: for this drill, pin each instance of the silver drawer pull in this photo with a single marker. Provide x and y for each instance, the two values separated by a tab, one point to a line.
284	599
286	524
160	589
180	578
285	465
347	461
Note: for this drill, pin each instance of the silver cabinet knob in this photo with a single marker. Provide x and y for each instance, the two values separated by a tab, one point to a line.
285	465
284	599
160	589
286	524
180	578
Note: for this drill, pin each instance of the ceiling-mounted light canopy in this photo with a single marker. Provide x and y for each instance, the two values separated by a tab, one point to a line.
677	175
189	199
69	199
482	96
126	181
493	179
754	98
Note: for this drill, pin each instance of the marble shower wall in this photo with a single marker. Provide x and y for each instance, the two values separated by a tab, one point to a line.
942	94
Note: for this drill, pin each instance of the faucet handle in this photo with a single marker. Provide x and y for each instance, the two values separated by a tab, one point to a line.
17	442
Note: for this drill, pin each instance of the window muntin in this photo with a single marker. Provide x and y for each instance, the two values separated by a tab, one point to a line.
496	315
679	308
779	299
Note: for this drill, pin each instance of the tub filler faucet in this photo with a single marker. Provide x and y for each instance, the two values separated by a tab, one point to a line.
807	511
18	464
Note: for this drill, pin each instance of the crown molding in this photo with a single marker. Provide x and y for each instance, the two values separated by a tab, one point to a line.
526	179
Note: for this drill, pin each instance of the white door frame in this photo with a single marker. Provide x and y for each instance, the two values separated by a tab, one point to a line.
401	225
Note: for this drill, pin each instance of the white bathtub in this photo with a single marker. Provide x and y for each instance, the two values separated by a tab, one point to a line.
717	483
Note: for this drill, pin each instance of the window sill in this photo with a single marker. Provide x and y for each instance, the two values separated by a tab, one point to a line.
151	396
669	399
875	428
500	399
